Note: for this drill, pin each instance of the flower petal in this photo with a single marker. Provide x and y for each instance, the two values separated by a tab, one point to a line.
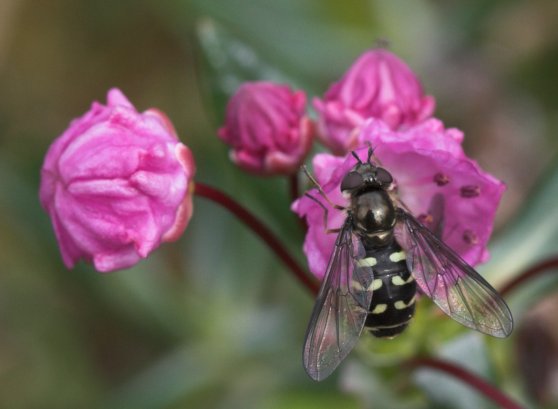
425	161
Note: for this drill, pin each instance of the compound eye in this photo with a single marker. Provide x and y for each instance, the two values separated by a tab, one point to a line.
351	181
383	177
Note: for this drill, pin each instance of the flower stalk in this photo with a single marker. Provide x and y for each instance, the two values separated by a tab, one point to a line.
294	192
260	229
479	384
530	273
294	186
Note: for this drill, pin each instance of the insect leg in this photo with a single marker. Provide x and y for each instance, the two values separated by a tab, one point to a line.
326	213
321	191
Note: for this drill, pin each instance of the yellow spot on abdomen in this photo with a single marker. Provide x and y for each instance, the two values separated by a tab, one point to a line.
367	262
377	283
380	308
400	305
397	280
398	256
373	286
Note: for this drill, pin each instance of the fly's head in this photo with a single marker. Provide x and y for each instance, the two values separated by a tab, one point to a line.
366	176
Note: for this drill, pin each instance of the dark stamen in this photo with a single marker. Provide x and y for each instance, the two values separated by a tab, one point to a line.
441	179
470	237
425	219
469	191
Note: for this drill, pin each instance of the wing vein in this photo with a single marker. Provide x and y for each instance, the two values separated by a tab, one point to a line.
450	282
341	307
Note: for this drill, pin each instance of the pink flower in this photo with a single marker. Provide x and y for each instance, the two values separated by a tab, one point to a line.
116	184
378	85
424	160
267	128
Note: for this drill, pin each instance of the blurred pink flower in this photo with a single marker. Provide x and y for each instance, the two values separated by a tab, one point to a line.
424	160
267	128
377	85
116	184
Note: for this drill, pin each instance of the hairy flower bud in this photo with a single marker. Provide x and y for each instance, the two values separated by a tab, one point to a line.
378	85
267	128
116	184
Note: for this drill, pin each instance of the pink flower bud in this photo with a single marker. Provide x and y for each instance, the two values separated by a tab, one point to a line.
267	128
425	161
378	85
116	184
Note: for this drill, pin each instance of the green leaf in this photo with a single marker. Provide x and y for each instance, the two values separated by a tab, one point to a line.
311	400
373	389
533	235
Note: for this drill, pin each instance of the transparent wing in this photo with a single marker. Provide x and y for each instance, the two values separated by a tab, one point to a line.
341	307
436	212
450	282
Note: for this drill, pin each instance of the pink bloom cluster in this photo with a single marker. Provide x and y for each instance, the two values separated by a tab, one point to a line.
424	160
116	184
267	128
378	101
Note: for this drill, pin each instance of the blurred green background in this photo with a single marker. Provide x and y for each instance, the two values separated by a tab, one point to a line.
215	320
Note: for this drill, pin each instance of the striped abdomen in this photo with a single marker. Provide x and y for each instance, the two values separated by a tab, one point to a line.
393	300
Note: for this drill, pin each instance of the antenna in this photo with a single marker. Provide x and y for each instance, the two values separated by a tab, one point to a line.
370	152
357	158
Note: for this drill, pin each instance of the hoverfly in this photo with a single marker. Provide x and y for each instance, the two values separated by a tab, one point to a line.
382	252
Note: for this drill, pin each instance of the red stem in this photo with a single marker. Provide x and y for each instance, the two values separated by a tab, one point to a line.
271	240
293	186
530	273
469	378
294	193
260	229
